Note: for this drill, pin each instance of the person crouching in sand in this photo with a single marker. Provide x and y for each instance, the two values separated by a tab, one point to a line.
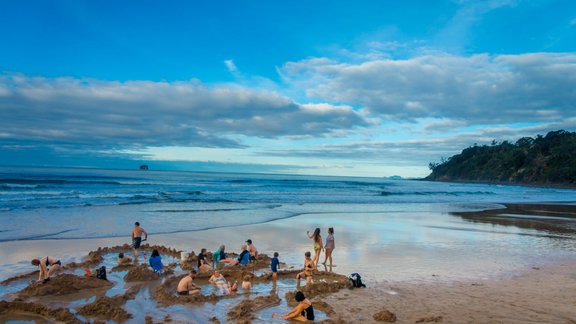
309	267
186	286
302	312
47	267
123	259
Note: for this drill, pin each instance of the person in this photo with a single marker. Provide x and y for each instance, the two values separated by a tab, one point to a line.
123	259
274	266
304	311
186	286
252	249
47	267
219	255
246	283
317	244
218	280
137	238
202	263
329	247
156	262
309	267
243	258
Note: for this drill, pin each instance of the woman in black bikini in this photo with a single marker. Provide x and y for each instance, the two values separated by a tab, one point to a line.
47	266
302	312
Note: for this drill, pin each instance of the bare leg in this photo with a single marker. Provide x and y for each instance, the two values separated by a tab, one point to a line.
52	270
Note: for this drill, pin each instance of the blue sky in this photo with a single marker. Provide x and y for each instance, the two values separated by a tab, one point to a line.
371	88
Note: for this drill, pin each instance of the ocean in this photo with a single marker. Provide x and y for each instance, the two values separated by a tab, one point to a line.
404	228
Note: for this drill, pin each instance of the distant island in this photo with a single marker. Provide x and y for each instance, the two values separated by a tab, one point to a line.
543	161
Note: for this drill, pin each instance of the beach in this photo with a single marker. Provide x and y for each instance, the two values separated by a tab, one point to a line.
454	253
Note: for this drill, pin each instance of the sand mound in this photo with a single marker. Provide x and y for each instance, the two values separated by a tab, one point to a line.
59	315
140	272
385	316
325	283
109	308
63	284
106	308
245	311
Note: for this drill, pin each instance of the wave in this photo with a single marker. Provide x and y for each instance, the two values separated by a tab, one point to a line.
211	210
25	181
432	193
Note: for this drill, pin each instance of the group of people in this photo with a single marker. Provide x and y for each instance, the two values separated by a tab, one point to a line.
303	311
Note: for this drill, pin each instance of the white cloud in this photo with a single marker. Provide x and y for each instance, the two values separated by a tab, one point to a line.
477	89
231	66
145	113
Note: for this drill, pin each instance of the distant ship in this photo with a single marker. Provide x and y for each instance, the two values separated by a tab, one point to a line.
144	167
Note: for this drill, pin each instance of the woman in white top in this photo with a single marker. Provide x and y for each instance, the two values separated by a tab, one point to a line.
329	247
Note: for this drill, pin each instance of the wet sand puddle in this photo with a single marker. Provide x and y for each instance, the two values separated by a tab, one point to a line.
134	292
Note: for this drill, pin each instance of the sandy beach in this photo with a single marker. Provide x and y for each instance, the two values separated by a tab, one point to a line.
538	290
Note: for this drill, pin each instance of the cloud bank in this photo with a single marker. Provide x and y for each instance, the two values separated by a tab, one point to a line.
145	113
479	89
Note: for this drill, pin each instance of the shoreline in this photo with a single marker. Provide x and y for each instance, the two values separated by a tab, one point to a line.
504	183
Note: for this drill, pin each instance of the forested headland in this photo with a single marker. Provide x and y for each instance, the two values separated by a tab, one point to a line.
544	160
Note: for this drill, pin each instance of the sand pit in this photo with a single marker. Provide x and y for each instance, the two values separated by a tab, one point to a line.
29	275
18	308
63	284
165	294
245	310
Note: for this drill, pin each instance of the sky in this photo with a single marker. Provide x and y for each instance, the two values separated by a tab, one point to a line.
352	88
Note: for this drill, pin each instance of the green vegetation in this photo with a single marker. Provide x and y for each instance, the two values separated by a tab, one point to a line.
544	160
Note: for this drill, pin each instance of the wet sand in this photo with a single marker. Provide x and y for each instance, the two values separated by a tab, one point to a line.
521	291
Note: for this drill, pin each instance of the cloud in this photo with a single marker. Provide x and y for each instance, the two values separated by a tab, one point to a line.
231	66
145	113
478	89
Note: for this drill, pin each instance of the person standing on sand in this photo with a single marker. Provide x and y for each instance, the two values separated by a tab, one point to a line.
137	238
318	246
329	247
186	286
47	267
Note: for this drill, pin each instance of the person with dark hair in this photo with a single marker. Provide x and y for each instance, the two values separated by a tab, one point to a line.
186	286
329	247
123	259
47	266
252	249
309	267
156	261
317	244
137	238
304	311
274	266
202	263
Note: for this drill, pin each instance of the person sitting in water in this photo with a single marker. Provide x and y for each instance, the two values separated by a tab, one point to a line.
47	267
156	261
186	286
202	263
243	258
219	255
246	283
218	280
304	311
123	259
309	267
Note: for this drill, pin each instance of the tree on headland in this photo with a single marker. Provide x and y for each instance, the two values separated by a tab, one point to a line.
544	160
